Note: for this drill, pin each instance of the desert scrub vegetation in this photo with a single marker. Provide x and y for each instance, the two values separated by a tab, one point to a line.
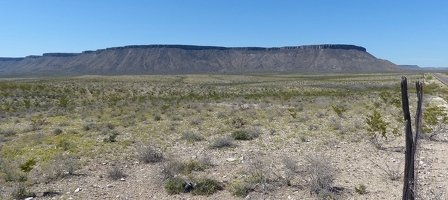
89	119
149	154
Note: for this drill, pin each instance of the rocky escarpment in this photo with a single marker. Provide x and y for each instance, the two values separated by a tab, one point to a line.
201	59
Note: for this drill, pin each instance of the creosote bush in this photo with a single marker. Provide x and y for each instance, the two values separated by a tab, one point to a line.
435	120
377	126
28	165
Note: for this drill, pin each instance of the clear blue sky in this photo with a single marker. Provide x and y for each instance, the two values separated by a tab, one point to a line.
404	32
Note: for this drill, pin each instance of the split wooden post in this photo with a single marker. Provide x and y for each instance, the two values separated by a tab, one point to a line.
409	189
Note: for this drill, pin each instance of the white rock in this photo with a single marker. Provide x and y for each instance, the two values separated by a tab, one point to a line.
28	198
122	179
78	189
109	185
231	159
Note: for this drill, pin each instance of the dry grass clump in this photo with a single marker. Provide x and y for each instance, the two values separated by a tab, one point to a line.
222	142
116	173
322	176
192	136
149	154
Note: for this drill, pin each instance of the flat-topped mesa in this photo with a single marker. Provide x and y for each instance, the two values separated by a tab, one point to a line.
10	59
60	54
195	47
329	46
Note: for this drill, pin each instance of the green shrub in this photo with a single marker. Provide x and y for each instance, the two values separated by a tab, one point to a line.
377	126
112	137
11	171
206	186
431	89
64	124
110	126
339	109
28	165
157	117
245	134
242	188
175	185
173	168
57	131
434	118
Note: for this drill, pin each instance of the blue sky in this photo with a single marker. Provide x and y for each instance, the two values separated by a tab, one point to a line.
404	32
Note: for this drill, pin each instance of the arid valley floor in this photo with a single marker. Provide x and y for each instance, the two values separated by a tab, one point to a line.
253	136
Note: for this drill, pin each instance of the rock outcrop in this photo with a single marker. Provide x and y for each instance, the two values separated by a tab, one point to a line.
149	59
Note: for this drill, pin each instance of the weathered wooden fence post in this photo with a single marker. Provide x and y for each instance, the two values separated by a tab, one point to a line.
409	189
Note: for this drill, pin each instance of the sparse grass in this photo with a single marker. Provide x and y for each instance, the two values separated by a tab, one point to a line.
244	187
361	189
190	166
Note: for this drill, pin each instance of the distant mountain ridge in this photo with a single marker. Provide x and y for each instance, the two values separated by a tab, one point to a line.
150	59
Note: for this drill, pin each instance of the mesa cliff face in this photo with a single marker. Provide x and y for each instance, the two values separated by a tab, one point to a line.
138	59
